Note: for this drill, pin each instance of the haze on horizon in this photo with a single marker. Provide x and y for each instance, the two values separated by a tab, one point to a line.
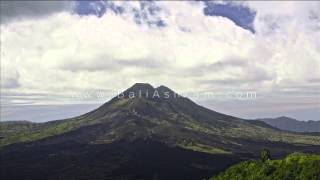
55	53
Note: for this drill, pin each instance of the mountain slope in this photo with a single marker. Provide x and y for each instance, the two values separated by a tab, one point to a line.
290	124
295	166
173	114
196	140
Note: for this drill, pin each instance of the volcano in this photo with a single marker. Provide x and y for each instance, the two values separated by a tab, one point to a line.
142	133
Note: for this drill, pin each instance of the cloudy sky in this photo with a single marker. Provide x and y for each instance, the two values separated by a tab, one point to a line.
61	59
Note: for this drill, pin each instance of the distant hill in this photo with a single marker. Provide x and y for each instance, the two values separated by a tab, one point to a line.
290	124
296	166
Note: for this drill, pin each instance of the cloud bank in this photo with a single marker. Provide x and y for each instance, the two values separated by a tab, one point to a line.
57	52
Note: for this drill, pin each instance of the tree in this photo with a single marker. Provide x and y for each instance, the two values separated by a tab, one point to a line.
265	155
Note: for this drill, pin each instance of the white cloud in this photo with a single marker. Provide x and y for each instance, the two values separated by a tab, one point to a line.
292	31
64	52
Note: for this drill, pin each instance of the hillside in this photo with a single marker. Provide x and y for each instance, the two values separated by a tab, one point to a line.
144	136
295	166
290	124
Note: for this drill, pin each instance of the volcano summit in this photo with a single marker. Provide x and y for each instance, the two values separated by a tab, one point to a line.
141	137
141	90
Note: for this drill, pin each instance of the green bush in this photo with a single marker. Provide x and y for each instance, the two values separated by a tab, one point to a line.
297	166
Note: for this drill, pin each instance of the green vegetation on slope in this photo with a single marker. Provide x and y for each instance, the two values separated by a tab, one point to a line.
17	132
297	166
12	132
203	148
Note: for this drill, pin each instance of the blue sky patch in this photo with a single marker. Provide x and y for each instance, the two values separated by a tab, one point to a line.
240	15
146	13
